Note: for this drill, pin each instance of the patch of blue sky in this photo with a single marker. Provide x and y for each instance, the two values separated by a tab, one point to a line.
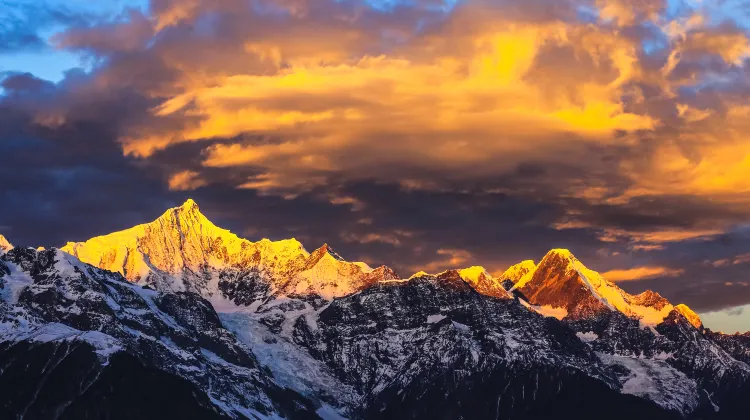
587	13
737	11
445	6
680	8
654	45
48	18
709	81
656	42
98	7
48	64
716	12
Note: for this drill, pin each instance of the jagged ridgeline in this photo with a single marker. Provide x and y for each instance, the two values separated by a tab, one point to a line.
179	318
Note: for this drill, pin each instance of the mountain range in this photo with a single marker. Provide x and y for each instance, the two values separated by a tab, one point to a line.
179	318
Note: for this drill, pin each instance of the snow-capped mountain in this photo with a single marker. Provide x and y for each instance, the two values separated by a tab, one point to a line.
183	251
516	272
477	277
660	351
266	329
562	284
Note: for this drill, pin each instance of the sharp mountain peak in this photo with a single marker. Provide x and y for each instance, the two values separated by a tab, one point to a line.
5	245
562	282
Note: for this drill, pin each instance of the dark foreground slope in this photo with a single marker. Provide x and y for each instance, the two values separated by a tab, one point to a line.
66	380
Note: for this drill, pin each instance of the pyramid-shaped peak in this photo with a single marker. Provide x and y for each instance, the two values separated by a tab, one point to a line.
385	273
482	281
187	214
452	275
559	253
691	316
555	263
474	273
5	245
651	299
188	207
516	272
190	204
320	253
562	281
329	250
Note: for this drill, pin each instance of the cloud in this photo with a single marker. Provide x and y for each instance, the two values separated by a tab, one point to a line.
640	273
448	259
354	117
311	91
370	238
627	13
23	22
185	181
652	239
735	311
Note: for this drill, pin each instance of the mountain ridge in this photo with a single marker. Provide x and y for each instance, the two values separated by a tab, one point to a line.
357	342
181	248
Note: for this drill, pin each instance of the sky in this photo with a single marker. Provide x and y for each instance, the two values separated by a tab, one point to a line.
420	134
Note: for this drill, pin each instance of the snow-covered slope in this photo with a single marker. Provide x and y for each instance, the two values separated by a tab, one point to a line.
483	282
431	347
51	301
328	275
516	272
691	316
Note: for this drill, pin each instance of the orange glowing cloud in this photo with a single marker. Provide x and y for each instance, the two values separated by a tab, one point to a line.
628	12
448	259
185	180
448	112
640	273
732	46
